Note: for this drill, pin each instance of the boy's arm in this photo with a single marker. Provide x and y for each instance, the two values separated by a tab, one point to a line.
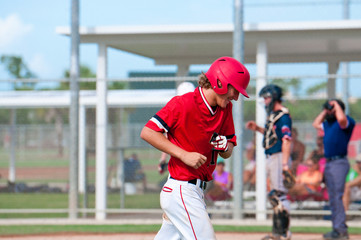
159	141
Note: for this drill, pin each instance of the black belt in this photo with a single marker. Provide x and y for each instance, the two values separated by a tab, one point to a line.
202	185
333	158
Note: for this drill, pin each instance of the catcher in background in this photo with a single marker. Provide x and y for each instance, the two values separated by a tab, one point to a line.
199	127
277	144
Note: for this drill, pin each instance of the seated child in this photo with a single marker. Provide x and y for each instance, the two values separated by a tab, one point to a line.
308	182
222	183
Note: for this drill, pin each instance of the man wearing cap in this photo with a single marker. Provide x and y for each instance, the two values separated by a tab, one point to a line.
337	127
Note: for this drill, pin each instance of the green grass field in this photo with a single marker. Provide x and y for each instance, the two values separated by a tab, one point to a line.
49	158
42	229
60	201
149	159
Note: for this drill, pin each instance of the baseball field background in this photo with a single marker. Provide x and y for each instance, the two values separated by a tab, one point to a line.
133	55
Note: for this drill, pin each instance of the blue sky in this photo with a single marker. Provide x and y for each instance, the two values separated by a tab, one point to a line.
27	28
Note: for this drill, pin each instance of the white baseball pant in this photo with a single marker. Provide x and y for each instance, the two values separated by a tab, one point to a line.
183	203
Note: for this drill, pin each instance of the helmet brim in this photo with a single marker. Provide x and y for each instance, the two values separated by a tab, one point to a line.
243	92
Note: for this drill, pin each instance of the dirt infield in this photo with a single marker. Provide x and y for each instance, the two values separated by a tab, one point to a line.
39	173
149	236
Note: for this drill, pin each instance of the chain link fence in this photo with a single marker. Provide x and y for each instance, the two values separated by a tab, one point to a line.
39	146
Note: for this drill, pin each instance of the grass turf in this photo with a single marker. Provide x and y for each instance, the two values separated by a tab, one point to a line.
46	229
60	201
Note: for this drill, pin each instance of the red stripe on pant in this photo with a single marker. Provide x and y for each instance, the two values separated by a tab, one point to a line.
189	218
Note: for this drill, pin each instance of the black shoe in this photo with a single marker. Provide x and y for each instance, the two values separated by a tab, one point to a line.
335	236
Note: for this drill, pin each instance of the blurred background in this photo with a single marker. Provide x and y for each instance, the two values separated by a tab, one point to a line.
34	83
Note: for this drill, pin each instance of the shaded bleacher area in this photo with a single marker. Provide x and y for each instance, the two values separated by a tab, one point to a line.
314	204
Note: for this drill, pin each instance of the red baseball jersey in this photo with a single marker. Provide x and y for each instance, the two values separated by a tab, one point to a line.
190	122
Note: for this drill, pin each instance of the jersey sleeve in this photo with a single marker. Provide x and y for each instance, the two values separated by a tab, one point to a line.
286	126
165	118
350	124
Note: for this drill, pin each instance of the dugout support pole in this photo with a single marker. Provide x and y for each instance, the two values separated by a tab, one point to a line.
238	53
261	189
74	111
101	135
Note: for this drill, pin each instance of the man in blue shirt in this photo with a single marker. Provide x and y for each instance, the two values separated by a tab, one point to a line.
338	128
277	144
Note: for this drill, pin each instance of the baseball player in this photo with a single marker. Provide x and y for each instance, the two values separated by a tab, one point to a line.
199	126
277	144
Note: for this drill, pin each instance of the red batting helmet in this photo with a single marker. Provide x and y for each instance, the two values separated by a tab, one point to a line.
228	71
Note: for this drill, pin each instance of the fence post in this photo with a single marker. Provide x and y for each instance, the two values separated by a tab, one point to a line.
120	176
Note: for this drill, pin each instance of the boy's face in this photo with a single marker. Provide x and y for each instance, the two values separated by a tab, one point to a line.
232	94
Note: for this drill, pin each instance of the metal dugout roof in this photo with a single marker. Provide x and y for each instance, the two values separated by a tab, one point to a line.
200	44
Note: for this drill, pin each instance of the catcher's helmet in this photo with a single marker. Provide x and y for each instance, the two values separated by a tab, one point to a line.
228	71
273	91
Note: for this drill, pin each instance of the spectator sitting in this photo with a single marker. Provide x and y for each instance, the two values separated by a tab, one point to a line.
353	185
222	183
249	175
297	151
317	153
308	183
133	171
